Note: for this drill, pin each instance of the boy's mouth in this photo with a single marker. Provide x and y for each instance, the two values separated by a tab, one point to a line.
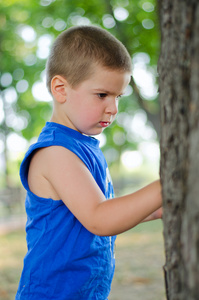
105	124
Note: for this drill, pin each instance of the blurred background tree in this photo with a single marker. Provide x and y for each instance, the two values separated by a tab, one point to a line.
27	30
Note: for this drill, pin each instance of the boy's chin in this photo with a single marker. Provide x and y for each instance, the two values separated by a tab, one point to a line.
93	132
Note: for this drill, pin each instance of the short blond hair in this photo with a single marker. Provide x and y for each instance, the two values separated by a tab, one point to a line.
77	49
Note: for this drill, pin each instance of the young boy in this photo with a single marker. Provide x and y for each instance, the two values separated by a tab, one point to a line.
71	224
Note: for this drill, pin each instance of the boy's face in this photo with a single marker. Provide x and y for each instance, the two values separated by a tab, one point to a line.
92	105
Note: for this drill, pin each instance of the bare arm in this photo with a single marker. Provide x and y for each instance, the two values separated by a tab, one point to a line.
75	185
128	211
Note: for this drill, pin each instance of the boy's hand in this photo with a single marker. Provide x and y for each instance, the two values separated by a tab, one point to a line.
157	214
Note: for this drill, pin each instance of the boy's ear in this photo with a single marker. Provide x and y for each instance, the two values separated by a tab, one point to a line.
58	88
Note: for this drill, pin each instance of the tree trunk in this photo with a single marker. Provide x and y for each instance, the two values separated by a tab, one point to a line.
179	99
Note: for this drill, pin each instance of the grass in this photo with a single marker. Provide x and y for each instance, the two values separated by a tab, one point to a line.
139	261
12	251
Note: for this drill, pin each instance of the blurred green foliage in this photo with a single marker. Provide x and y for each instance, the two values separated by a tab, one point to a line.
28	28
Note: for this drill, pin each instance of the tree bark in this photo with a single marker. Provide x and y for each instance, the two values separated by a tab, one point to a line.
179	100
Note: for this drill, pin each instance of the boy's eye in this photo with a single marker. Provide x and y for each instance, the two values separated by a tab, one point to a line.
102	95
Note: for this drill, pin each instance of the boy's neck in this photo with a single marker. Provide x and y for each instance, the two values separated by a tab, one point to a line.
56	118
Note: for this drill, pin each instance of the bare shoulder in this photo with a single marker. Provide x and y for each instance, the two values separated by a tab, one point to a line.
42	164
57	173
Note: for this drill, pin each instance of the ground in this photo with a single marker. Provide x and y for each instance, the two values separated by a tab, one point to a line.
139	261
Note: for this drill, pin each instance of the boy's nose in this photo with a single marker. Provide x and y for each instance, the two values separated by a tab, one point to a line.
112	107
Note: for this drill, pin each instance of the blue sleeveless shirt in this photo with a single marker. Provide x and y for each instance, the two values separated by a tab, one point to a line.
64	260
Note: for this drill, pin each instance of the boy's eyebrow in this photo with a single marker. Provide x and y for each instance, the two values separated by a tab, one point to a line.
107	92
